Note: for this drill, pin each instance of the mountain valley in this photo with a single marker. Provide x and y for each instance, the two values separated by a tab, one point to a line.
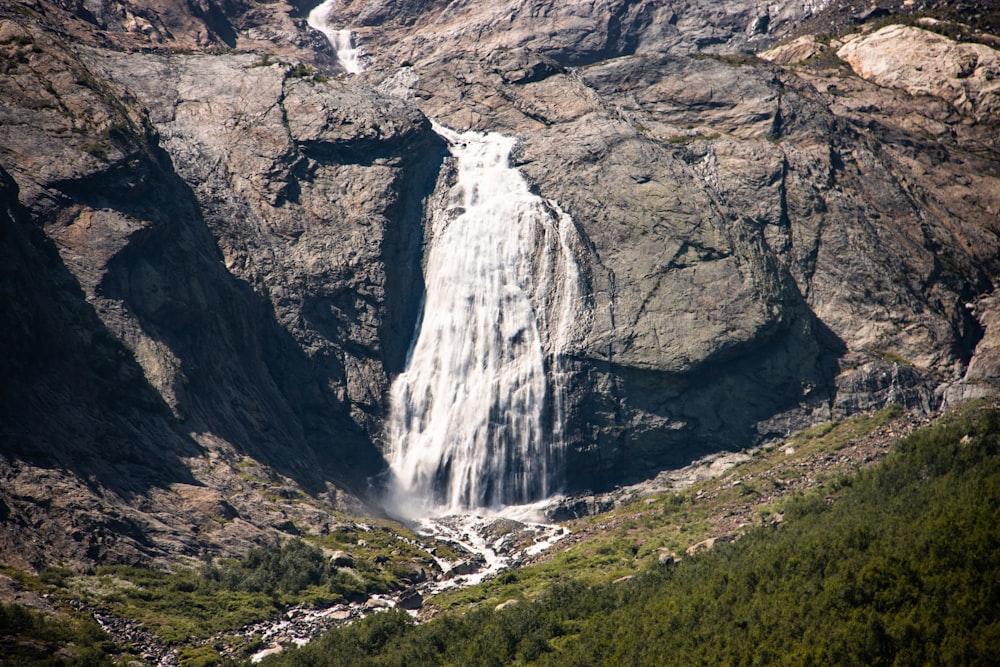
759	226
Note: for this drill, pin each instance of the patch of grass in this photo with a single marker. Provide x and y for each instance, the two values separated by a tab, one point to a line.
53	575
831	436
892	357
739	59
679	139
263	61
672	522
198	656
903	569
226	594
305	71
97	150
182	605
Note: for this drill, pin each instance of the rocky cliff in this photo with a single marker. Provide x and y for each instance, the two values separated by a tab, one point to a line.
213	238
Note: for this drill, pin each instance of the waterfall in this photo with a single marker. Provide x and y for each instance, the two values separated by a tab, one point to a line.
341	40
475	420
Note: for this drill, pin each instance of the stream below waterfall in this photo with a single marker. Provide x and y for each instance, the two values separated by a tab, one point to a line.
475	423
487	544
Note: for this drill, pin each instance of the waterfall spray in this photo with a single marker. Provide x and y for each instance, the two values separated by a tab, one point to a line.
475	419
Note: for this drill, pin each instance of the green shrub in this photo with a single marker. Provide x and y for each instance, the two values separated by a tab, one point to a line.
199	656
29	637
904	568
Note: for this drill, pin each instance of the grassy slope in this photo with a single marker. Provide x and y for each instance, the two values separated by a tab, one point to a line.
903	568
30	637
196	607
628	539
749	499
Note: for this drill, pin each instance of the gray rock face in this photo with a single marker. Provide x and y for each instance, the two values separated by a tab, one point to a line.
215	258
574	33
922	62
237	312
313	191
746	236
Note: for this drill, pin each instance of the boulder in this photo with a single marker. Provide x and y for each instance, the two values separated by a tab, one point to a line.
410	599
341	559
922	62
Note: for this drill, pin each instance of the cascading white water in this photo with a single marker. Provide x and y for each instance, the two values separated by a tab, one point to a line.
474	422
341	40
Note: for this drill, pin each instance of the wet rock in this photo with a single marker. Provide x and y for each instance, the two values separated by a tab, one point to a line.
465	567
410	599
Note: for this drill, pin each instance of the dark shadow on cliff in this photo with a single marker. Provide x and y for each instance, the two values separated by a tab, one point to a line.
72	397
658	421
240	376
402	252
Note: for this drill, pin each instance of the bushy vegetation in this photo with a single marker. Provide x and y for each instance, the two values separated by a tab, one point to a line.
626	540
29	637
219	596
277	571
227	594
903	569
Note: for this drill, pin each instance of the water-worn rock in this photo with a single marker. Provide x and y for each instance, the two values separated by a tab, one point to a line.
410	599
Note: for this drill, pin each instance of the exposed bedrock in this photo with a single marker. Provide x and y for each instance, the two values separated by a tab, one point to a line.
757	255
214	241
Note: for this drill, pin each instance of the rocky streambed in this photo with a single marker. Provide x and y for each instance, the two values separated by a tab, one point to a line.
470	549
479	547
486	545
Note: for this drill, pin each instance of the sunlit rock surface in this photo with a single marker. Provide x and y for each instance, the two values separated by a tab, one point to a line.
215	242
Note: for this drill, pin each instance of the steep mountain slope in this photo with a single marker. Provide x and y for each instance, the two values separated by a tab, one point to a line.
214	259
764	246
223	384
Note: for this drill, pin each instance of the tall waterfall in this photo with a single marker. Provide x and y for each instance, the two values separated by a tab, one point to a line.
476	418
341	40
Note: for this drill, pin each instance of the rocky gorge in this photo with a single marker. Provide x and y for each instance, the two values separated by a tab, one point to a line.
214	240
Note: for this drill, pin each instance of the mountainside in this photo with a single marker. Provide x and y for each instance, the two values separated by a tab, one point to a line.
214	239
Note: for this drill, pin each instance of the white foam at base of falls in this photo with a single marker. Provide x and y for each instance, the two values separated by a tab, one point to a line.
342	40
474	420
499	541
